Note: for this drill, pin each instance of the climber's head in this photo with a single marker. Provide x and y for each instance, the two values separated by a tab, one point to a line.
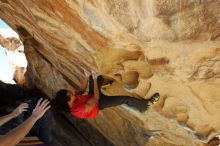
64	100
72	97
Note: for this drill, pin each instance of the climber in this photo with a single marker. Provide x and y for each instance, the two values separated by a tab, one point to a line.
14	136
88	106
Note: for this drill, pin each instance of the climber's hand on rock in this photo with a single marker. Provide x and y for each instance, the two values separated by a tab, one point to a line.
87	73
94	75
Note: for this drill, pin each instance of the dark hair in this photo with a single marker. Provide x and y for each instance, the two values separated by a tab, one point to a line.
60	101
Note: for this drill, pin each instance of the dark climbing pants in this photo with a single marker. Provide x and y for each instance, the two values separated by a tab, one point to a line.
111	101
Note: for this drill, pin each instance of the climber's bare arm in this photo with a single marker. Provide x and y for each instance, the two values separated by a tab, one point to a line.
93	101
84	84
96	90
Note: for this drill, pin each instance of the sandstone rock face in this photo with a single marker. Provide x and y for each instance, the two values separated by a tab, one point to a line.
10	44
166	46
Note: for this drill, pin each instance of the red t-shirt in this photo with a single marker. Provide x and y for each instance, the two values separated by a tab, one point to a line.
79	107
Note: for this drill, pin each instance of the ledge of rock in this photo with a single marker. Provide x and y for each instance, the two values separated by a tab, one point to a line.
171	47
10	44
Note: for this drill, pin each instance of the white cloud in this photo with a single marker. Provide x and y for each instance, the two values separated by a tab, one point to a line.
5	77
17	59
7	32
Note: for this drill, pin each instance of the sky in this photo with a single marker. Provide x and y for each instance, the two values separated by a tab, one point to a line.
5	67
6	73
3	24
6	31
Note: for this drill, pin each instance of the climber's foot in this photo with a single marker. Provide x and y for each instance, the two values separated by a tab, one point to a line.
154	98
106	85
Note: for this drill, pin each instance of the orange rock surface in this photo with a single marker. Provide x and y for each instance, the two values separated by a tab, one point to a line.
166	46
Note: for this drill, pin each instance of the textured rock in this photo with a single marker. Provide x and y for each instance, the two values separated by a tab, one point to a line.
19	77
214	141
10	44
129	41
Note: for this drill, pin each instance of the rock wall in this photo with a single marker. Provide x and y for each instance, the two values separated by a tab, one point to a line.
166	46
16	58
10	44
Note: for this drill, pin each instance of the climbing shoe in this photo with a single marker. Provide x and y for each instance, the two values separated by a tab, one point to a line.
106	85
154	98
